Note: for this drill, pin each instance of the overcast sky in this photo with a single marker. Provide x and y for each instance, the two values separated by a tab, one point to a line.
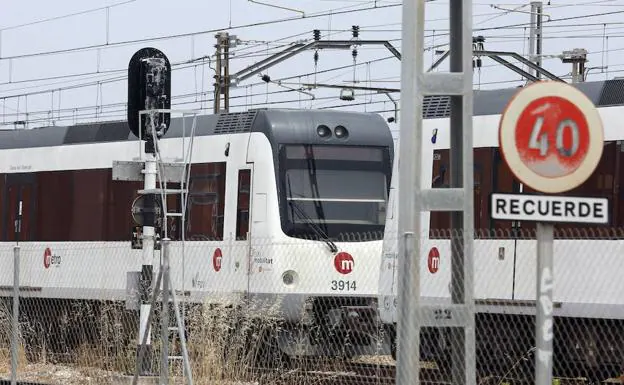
41	39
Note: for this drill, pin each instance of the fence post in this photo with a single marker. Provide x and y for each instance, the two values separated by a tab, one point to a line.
14	320
164	316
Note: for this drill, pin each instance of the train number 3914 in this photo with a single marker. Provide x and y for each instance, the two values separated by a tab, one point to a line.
340	285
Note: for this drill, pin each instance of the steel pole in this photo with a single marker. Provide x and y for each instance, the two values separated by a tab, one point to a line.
410	165
148	261
544	308
164	316
15	318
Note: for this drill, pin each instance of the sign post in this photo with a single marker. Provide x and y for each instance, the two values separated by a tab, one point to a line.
551	137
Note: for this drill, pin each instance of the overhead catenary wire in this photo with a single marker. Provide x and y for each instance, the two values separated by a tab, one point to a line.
120	114
257	43
300	75
189	34
506	26
320	102
276	21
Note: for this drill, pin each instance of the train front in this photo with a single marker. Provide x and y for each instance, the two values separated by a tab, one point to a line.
332	173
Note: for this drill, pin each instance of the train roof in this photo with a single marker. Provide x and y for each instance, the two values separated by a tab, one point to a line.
285	122
289	124
492	102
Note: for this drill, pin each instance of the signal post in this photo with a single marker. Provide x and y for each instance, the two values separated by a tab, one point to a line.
551	137
149	92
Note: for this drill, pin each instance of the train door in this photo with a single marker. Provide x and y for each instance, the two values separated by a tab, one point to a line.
242	232
505	234
19	187
261	252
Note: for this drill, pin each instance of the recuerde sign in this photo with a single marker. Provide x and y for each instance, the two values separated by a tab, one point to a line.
527	207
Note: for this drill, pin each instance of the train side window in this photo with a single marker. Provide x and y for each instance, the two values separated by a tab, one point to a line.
603	183
55	205
206	202
503	181
242	206
118	219
87	199
20	187
440	222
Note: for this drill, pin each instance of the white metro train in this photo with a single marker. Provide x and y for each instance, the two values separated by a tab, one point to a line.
284	206
588	261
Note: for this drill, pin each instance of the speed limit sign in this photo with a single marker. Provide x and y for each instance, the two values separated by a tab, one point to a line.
551	136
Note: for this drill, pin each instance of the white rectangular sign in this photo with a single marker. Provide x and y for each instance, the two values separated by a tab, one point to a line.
544	208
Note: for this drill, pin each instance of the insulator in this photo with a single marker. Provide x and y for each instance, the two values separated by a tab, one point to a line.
266	78
354	53
479	62
317	35
316	57
355	30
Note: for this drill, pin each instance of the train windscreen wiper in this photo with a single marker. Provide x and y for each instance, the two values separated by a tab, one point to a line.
317	230
311	163
308	221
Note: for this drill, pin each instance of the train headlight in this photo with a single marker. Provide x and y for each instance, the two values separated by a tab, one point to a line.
323	131
341	132
290	278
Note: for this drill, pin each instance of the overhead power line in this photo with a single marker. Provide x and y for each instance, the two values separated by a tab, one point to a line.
189	34
79	13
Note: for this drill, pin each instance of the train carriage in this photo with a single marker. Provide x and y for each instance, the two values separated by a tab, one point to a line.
588	289
284	206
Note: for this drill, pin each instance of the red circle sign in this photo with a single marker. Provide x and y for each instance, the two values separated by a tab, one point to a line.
217	257
552	120
344	263
551	136
47	257
433	260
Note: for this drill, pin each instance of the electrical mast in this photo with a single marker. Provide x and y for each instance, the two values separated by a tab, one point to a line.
222	75
535	35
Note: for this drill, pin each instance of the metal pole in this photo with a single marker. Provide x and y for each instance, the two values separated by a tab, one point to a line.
181	333
142	352
148	256
535	36
15	323
532	30
461	178
539	37
164	317
16	272
226	72
409	247
217	76
544	311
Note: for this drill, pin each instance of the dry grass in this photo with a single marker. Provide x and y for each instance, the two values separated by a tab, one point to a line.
95	343
223	343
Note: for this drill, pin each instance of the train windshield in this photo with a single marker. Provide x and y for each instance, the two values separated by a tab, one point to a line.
335	192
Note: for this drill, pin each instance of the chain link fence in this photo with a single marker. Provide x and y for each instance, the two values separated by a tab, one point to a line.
286	311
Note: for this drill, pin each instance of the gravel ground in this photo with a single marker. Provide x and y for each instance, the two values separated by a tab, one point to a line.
60	375
64	375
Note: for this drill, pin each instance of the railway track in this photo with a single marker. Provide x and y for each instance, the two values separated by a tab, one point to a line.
338	373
